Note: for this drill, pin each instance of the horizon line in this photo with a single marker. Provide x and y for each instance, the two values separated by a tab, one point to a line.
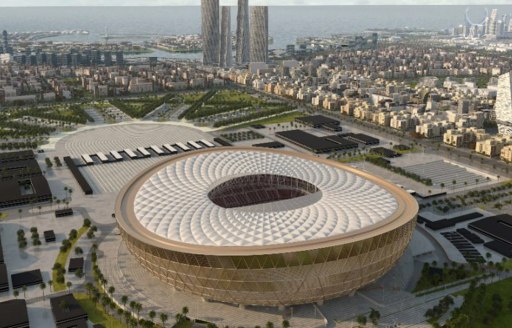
282	5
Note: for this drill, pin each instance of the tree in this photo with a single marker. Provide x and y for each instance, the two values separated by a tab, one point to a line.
89	287
16	293
152	315
375	315
50	283
361	320
19	212
138	308
68	285
285	324
111	290
43	287
184	310
269	325
124	300
24	288
163	317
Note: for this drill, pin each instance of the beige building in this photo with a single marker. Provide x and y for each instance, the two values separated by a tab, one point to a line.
506	153
492	147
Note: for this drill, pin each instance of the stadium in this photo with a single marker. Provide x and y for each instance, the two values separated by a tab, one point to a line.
263	227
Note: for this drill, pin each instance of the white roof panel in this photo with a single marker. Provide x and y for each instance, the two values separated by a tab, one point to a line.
174	203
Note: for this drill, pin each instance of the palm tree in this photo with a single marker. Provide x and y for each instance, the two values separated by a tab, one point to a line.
152	315
184	310
124	300
50	283
89	287
43	287
127	316
138	308
163	318
24	288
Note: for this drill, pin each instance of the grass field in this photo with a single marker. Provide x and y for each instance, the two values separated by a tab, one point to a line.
96	313
283	118
62	258
3	216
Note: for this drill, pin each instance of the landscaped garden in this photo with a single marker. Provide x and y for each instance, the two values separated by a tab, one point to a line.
228	107
140	107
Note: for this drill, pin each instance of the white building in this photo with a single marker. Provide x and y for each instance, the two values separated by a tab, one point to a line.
503	106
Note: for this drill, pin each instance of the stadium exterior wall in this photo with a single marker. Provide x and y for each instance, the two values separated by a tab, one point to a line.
273	275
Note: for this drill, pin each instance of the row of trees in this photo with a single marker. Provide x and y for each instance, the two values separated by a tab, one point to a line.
148	105
68	114
439	310
242	136
379	161
130	310
198	103
19	145
17	130
254	115
374	317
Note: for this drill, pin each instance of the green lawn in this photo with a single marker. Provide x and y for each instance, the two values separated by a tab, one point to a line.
3	216
282	118
96	313
62	258
502	319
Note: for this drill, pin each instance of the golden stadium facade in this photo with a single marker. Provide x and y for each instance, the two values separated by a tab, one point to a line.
264	227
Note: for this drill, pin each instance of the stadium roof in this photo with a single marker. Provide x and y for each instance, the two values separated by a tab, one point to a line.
172	200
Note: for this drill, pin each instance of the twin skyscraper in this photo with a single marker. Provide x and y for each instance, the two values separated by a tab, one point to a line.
251	34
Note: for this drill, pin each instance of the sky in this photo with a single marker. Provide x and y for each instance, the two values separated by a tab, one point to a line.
44	3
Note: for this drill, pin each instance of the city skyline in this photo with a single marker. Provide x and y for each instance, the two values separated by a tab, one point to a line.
34	3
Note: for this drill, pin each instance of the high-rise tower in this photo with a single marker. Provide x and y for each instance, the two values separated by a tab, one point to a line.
5	41
210	31
242	33
490	27
226	45
259	34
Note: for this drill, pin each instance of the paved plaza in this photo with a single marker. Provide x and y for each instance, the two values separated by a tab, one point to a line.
389	295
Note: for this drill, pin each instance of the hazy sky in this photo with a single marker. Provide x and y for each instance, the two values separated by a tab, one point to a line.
21	3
